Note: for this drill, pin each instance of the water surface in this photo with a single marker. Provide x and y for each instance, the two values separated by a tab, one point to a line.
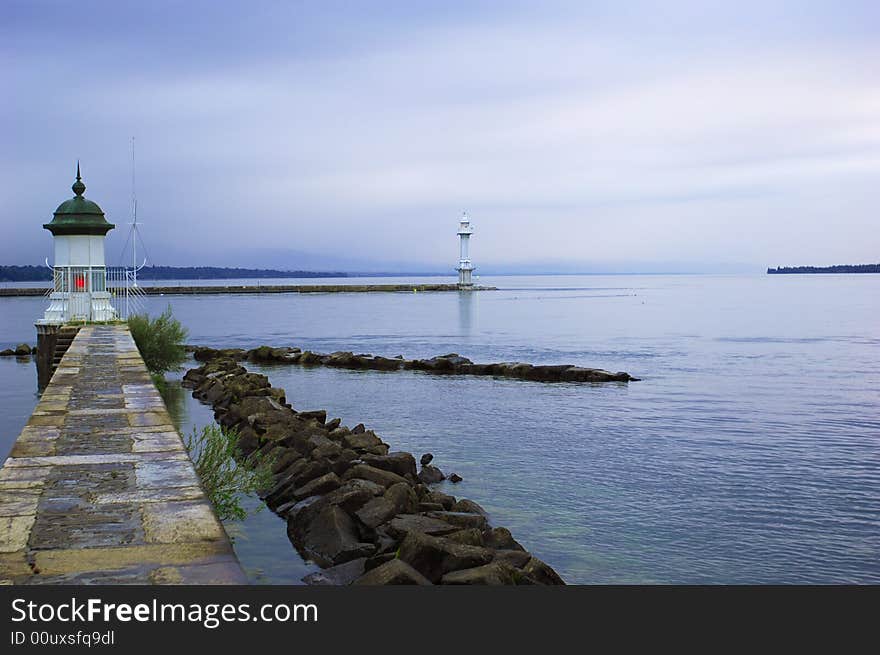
750	452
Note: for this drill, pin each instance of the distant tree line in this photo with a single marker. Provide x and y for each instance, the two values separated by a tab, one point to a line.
25	274
41	273
223	273
844	268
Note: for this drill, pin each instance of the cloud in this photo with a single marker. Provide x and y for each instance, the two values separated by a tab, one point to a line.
579	135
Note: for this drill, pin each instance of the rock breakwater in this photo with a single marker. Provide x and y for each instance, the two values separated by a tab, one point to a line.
359	510
451	364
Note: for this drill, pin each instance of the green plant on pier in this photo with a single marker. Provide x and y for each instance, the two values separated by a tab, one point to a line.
225	478
160	341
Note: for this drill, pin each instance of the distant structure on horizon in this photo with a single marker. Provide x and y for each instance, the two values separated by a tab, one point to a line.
465	268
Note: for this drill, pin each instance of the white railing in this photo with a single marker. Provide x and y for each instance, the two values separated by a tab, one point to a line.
126	296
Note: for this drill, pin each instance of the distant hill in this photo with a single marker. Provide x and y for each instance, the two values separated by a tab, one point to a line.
844	268
41	273
25	274
223	273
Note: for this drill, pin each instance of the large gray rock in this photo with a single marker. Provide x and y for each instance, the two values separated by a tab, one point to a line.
578	374
398	462
282	460
332	538
516	558
431	507
22	349
300	516
495	574
468	536
394	572
318	486
399	498
320	415
376	512
341	574
308	358
447	501
299	474
371	473
343	461
361	440
501	539
318	440
403	524
321	446
546	373
383	363
281	482
462	519
328	451
540	573
434	557
351	496
403	497
342	359
385	543
470	507
379	449
314	469
378	560
431	475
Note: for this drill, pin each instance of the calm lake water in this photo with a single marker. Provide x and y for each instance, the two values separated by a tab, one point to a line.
748	453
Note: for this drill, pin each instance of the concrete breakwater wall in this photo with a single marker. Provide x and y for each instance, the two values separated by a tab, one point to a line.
364	514
451	364
99	488
10	292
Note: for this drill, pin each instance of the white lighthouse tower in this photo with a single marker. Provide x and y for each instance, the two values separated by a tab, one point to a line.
465	268
79	291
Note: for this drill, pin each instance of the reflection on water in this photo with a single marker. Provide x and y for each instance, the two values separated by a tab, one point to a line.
466	301
175	396
749	453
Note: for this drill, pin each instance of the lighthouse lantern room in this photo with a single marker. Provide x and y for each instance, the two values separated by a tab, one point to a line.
79	291
465	268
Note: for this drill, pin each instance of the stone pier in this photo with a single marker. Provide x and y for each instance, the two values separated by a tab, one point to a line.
98	487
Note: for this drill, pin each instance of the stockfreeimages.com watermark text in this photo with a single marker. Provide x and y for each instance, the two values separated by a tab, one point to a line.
208	615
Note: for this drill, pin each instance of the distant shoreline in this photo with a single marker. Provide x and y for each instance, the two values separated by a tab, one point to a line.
11	273
844	268
42	273
17	292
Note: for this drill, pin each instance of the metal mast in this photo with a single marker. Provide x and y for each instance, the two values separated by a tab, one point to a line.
134	263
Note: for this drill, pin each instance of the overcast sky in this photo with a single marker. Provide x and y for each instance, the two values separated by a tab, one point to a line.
578	135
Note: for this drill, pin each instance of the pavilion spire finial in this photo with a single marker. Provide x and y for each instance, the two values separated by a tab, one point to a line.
78	186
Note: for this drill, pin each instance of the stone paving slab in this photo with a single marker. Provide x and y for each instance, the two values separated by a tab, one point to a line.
99	489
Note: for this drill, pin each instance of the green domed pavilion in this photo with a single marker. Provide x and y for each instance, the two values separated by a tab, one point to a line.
79	216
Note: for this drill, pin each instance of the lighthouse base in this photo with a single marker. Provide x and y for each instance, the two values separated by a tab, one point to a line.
64	306
465	283
47	339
